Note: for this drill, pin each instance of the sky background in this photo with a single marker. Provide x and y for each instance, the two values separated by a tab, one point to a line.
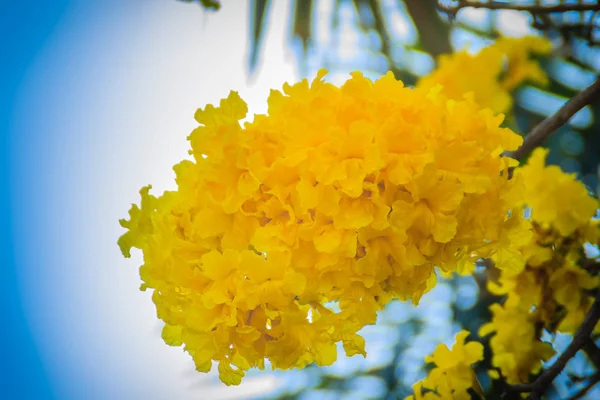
97	99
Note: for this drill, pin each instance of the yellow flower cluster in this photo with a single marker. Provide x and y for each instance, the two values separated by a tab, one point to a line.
516	345
557	200
453	374
492	74
551	290
346	195
520	66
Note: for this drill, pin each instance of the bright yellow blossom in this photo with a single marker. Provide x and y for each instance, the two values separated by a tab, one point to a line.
344	194
491	75
453	374
517	349
520	67
557	199
461	74
550	290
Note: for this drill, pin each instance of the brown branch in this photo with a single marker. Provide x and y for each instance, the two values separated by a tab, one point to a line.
381	29
593	353
433	31
535	9
549	125
541	384
592	267
594	379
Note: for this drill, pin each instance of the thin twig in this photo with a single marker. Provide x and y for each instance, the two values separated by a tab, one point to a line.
536	9
549	125
381	29
594	379
541	384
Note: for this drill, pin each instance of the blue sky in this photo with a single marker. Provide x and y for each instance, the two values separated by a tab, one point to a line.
97	99
24	30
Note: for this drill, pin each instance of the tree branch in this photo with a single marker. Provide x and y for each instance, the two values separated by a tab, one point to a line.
434	32
381	29
536	9
541	384
594	379
549	125
593	352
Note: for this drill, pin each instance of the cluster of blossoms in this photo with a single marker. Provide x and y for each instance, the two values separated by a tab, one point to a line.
345	194
287	234
551	290
493	73
546	285
453	374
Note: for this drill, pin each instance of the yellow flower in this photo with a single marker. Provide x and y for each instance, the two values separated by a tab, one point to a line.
551	290
517	351
520	67
139	225
516	233
489	76
567	283
340	194
556	198
419	395
452	375
570	285
461	73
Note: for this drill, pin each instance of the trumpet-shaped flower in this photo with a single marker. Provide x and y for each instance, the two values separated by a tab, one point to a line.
339	194
453	375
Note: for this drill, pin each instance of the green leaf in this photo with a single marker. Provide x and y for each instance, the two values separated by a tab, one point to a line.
259	10
213	5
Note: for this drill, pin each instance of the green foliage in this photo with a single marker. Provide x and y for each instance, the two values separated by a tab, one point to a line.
213	5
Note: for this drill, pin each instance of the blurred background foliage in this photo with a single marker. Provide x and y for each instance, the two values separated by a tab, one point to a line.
406	37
